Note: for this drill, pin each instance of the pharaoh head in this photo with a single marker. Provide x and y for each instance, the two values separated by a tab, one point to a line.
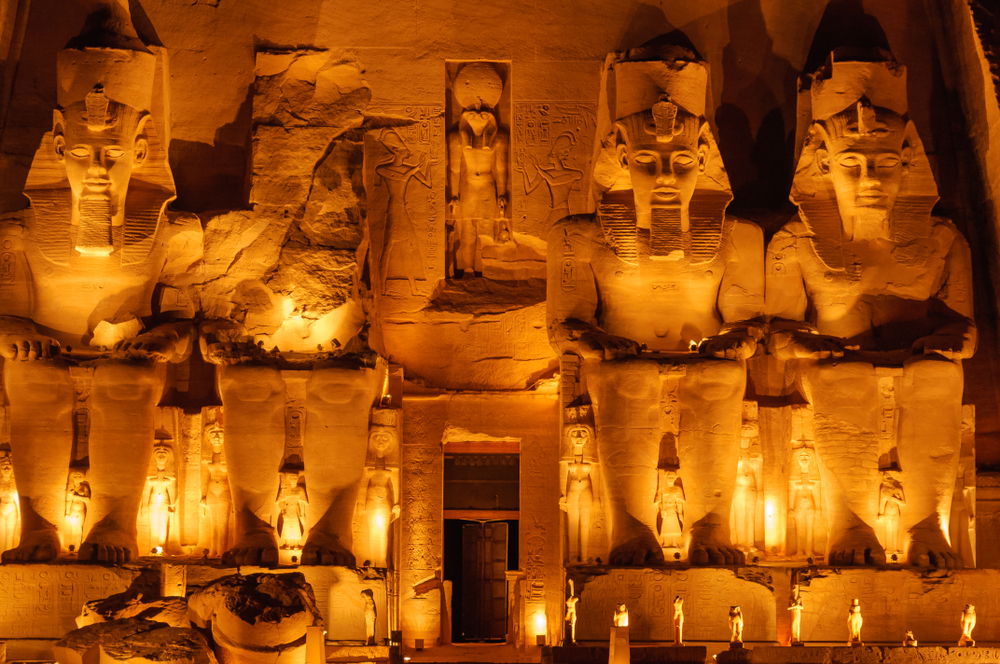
562	146
861	143
578	435
161	456
661	137
214	436
76	478
6	467
804	458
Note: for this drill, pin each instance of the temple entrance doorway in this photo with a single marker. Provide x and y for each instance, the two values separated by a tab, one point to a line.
481	509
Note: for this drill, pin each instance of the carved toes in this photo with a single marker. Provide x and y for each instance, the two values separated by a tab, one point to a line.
318	555
95	552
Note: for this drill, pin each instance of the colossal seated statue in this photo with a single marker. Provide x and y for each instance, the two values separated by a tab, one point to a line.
866	290
87	262
655	294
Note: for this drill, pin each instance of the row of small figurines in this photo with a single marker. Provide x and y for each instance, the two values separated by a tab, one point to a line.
736	621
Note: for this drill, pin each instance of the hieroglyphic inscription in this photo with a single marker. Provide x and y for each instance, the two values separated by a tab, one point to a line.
43	602
552	141
422	490
423	142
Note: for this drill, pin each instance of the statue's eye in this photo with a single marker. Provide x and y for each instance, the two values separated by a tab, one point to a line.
114	153
684	161
850	161
889	162
80	153
644	158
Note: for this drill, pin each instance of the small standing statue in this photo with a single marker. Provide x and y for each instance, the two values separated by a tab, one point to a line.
578	502
216	501
621	616
77	501
670	499
910	641
804	503
571	602
370	616
292	503
736	627
968	624
796	607
854	622
381	508
890	503
678	621
9	511
161	498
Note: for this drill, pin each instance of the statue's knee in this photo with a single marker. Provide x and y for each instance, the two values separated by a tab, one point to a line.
36	382
828	374
341	385
715	380
255	384
128	382
934	376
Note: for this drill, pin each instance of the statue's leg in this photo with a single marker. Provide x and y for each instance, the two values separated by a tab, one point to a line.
254	401
338	407
845	403
586	508
573	524
930	436
41	395
626	398
711	402
124	402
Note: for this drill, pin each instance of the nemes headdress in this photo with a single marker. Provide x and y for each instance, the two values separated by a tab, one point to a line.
853	95
106	77
657	90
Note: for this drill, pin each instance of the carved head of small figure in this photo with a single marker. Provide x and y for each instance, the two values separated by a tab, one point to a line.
562	147
215	437
6	467
678	602
76	478
669	478
969	610
395	144
804	458
100	142
578	436
161	456
382	440
289	479
369	598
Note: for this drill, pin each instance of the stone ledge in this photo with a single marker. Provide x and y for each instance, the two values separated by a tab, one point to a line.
650	654
870	655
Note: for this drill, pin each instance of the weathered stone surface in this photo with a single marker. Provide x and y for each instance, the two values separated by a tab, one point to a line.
134	640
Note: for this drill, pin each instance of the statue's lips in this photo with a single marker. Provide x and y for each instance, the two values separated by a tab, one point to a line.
96	185
665	193
872	199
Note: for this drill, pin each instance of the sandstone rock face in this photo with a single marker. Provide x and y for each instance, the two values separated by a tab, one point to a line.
134	640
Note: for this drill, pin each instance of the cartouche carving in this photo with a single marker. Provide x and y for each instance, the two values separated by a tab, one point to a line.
97	240
661	238
865	277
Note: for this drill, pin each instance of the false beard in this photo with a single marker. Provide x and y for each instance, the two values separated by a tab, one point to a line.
93	236
668	239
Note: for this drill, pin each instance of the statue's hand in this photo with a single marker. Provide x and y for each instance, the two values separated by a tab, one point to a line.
27	346
800	345
563	505
149	346
395	513
225	342
600	345
730	346
951	346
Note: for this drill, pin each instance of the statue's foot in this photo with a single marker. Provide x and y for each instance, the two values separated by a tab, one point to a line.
929	548
257	547
324	549
36	546
637	552
108	544
856	546
708	547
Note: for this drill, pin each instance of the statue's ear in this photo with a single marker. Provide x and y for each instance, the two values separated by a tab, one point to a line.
621	147
59	135
823	159
704	146
141	142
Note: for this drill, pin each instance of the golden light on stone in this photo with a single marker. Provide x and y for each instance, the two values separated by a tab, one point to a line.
367	351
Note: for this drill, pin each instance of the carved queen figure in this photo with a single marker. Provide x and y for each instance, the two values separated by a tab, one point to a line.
92	249
655	293
866	283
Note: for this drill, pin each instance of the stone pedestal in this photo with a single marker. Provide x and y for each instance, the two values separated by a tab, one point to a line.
637	654
619	649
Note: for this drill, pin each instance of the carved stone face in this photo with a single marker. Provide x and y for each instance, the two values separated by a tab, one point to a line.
160	456
6	468
578	436
663	174
867	173
214	436
381	441
804	459
76	478
100	158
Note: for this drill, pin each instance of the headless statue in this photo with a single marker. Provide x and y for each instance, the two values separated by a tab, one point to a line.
665	243
866	278
94	245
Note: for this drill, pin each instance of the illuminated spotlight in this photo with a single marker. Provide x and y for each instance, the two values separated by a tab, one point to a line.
157	550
